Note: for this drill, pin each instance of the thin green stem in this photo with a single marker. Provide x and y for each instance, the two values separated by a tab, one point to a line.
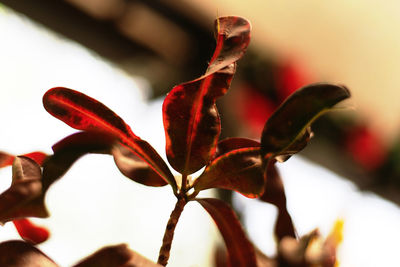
169	231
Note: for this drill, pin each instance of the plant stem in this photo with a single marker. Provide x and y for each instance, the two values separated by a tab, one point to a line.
169	231
184	183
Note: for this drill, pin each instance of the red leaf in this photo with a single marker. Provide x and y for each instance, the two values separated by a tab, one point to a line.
90	142
85	113
230	144
24	197
134	168
6	159
38	157
240	250
233	37
21	254
275	194
31	232
116	256
239	170
191	121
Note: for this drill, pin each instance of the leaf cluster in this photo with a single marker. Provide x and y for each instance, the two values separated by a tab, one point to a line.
192	130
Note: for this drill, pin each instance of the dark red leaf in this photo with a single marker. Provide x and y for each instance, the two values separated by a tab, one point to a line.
26	229
90	142
134	168
6	159
191	120
287	130
85	113
21	254
240	250
38	157
23	198
70	149
30	232
116	256
233	37
239	170
275	194
230	144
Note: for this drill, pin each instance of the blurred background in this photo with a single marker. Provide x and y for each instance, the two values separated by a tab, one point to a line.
130	53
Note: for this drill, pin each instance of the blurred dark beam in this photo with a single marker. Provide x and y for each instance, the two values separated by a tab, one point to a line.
106	37
61	17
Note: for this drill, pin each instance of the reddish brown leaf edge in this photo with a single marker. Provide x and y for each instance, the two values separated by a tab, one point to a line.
236	166
23	198
87	114
17	253
191	120
241	251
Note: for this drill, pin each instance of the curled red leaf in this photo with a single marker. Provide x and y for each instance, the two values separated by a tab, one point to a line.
191	120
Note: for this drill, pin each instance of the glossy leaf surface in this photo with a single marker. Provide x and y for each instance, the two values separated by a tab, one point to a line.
21	254
241	251
287	130
116	256
31	232
191	120
85	113
275	194
239	170
134	168
23	198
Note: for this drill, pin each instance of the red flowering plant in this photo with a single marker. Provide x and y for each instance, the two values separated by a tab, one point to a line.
192	130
